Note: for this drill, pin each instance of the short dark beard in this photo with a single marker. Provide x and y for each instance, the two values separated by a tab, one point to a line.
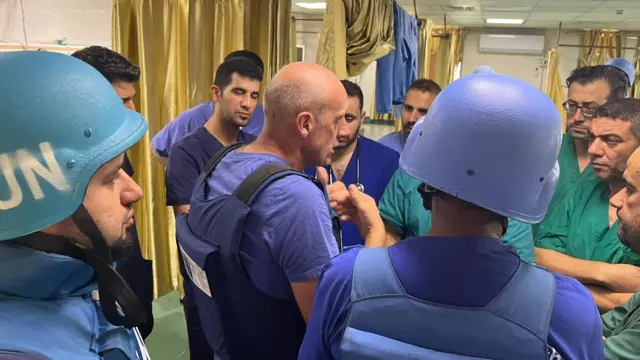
122	248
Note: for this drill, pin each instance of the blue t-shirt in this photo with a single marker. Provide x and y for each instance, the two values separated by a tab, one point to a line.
188	159
293	218
192	119
377	165
425	270
394	140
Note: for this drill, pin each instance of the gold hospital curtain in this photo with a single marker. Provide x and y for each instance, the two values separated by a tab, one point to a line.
177	44
354	34
443	53
554	89
590	55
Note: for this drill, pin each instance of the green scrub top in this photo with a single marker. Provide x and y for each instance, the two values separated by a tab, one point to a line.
401	206
579	226
569	170
621	328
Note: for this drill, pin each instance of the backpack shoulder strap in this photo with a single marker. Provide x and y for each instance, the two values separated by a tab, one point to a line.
269	173
261	178
217	157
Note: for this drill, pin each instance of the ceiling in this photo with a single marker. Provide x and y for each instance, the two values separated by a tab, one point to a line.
574	14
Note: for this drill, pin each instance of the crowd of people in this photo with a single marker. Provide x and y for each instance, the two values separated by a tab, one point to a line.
479	230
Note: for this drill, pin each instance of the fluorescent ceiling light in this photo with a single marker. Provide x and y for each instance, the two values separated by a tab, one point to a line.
505	21
502	36
313	6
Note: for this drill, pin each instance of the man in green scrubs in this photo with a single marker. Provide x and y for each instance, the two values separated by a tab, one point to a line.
621	326
579	238
589	87
404	214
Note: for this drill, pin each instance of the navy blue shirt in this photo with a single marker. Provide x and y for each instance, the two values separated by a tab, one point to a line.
378	163
427	267
188	159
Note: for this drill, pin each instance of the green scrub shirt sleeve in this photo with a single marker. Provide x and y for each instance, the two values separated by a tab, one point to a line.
553	231
624	344
520	236
392	204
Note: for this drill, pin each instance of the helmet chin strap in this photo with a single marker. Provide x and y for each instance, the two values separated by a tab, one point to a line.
427	192
119	304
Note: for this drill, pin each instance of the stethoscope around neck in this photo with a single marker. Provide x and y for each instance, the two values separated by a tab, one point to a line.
358	183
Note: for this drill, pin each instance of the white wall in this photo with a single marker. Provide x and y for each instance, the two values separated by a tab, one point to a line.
527	67
82	22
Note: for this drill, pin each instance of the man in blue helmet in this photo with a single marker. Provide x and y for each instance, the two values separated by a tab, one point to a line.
404	216
194	118
123	75
66	205
458	293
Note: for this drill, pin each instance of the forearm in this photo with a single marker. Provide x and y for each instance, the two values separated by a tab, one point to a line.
585	271
607	299
376	238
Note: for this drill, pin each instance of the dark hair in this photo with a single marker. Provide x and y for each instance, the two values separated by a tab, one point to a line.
113	66
615	78
425	85
246	54
237	65
353	90
627	109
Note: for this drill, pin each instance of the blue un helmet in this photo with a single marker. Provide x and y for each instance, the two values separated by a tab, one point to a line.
626	66
491	140
61	120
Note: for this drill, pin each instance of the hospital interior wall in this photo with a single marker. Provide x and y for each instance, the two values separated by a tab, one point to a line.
78	22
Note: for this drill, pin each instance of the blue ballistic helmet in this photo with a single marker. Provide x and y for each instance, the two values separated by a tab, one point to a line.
61	121
491	140
484	69
626	66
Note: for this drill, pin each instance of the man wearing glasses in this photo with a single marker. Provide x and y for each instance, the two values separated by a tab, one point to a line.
578	237
589	87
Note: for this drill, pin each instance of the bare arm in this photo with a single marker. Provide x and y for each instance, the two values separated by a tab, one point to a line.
607	299
179	209
304	293
585	271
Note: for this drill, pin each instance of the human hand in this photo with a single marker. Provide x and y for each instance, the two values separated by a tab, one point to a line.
622	278
353	206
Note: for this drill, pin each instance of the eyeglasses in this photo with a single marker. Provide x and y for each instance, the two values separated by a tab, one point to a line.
589	112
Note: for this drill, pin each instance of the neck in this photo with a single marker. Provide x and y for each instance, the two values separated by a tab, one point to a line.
582	147
450	220
224	131
345	153
267	144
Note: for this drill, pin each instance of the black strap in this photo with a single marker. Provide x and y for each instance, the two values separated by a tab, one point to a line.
217	157
112	288
273	172
253	182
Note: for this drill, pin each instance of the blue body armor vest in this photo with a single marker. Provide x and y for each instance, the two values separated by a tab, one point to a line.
387	323
49	307
253	324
